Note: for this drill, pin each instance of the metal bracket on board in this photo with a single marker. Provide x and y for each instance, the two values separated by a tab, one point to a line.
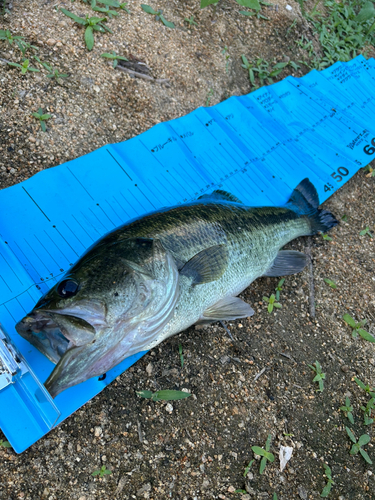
21	390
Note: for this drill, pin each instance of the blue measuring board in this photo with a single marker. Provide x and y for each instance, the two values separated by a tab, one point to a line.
258	147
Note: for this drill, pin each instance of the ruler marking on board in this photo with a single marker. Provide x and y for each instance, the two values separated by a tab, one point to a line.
76	237
97	218
41	244
54	243
80	183
126	201
66	241
32	199
90	223
122	208
14	319
77	221
105	213
37	256
36	272
10	267
6	284
143	194
21	305
119	164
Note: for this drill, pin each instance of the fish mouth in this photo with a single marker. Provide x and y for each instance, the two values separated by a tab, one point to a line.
53	333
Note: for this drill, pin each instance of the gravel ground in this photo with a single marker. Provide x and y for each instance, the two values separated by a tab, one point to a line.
246	387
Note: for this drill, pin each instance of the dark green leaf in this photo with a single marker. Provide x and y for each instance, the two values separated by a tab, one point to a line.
280	65
251	4
365	456
36	115
246	13
115	63
165	22
45	117
148	9
355	449
97	27
331	283
89	37
326	490
259	451
110	3
75	18
5	444
263	464
351	435
365	335
367	12
364	439
144	394
349	320
206	3
168	395
43	125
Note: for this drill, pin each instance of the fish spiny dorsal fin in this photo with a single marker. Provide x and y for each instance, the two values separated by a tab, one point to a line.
206	266
304	200
220	195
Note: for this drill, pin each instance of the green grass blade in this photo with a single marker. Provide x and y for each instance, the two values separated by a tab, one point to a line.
365	456
89	37
167	395
351	435
365	335
166	23
144	394
75	18
263	464
148	9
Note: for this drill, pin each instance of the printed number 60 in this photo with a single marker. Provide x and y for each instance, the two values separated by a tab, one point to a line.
368	150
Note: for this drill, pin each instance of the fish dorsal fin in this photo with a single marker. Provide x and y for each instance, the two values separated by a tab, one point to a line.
229	308
287	262
208	265
220	195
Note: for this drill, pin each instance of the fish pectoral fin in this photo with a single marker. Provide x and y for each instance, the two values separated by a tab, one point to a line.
208	265
219	194
228	308
287	262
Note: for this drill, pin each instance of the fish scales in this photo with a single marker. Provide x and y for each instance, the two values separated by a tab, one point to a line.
155	276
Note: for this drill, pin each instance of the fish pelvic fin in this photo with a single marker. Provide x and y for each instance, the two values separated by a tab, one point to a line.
228	308
305	201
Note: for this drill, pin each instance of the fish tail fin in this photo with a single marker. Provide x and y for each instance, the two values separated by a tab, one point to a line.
305	201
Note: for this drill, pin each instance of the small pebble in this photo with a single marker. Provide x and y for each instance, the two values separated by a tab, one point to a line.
169	408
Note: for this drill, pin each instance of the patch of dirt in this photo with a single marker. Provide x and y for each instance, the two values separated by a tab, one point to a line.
197	448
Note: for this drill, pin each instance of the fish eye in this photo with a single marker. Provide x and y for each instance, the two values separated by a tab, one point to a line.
67	288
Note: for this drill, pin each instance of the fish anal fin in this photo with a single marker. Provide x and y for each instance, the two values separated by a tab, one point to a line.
287	262
206	266
228	308
219	194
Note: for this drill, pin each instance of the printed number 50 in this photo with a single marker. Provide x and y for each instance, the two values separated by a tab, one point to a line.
341	170
370	150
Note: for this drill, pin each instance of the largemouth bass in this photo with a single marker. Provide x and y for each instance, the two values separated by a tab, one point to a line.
159	274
